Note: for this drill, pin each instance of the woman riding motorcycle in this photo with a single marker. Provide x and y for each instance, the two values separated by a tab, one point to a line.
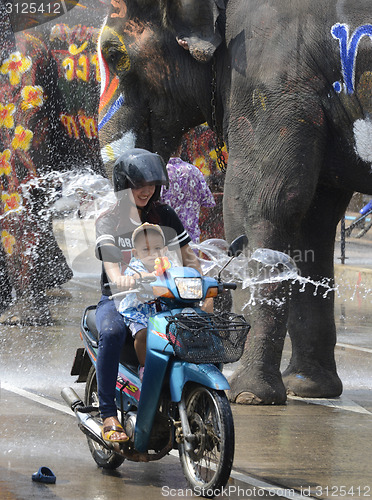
137	178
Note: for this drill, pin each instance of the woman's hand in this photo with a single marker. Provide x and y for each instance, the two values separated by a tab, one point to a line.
189	259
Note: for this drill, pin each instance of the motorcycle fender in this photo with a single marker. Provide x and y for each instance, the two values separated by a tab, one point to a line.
81	365
204	374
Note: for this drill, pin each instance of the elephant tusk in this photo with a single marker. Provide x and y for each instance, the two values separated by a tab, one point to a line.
182	43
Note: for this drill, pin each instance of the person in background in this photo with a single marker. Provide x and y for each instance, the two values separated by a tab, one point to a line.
186	193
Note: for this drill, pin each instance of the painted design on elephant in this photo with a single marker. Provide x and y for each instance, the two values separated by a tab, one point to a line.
22	138
362	128
6	115
75	65
27	132
8	241
70	125
11	201
15	136
111	111
88	124
348	53
77	62
15	66
124	62
22	100
5	166
363	139
259	100
35	91
113	150
110	83
33	97
109	93
111	101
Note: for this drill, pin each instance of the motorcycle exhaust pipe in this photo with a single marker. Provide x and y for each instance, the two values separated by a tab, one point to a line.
87	423
71	398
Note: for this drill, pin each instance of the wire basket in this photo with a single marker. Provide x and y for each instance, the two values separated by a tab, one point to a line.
207	338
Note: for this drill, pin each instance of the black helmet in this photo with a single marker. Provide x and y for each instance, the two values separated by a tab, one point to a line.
138	167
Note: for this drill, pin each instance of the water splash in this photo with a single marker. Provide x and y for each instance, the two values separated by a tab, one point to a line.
263	266
83	194
73	194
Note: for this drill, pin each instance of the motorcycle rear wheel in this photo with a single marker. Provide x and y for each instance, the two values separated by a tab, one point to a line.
207	467
102	456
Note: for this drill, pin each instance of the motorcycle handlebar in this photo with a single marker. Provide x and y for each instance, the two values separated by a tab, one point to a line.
229	286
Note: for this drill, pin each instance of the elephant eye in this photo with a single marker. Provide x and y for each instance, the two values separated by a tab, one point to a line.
116	57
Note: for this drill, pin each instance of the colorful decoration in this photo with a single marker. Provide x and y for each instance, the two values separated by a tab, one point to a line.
11	201
15	66
32	97
8	242
5	166
348	52
22	138
161	265
6	115
32	139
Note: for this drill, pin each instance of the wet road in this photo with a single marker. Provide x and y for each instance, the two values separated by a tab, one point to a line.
306	449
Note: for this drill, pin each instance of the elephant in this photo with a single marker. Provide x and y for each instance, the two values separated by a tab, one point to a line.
288	87
49	79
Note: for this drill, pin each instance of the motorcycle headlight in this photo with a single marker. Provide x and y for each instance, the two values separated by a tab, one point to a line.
189	288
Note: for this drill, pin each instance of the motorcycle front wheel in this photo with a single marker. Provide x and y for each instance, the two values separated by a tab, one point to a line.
208	465
103	457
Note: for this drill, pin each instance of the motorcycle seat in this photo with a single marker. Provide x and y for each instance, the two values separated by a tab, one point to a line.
90	320
128	354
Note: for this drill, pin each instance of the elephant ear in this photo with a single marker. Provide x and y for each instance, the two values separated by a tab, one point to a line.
195	25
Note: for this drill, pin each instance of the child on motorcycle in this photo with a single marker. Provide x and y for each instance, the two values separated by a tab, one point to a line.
148	244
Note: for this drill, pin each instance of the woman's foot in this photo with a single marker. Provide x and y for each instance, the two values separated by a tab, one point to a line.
112	431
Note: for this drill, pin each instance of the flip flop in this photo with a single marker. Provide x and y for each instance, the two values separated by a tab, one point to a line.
109	430
44	475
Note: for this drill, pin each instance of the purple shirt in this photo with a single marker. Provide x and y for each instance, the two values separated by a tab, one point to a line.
187	192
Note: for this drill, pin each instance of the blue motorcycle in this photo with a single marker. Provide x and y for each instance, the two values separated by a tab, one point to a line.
181	401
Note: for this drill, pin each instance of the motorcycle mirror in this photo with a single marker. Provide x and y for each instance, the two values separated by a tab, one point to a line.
237	246
109	253
235	249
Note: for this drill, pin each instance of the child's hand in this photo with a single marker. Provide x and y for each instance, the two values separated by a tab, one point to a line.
161	265
125	282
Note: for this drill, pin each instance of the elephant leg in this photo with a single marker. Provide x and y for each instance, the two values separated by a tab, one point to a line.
267	194
258	378
311	326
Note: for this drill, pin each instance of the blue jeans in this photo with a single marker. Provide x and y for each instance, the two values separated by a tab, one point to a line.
112	335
